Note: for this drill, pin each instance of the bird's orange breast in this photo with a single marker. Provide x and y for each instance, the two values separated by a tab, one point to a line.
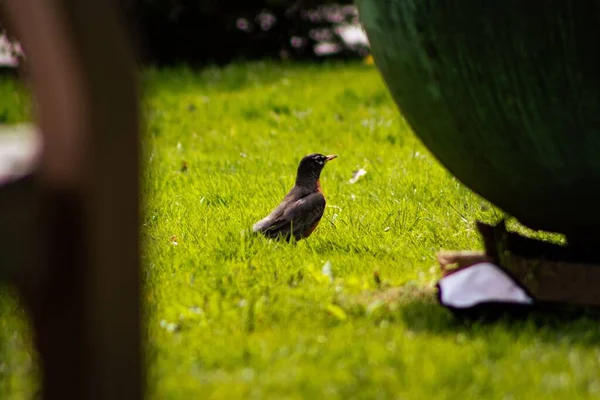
310	230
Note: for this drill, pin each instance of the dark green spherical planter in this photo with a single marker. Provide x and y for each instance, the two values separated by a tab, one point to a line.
506	94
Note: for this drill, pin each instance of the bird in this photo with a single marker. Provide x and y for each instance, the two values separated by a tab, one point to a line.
301	209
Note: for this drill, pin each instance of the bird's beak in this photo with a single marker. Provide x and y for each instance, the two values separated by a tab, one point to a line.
331	157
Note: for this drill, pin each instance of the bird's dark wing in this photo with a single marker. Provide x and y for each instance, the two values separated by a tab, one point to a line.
295	218
292	196
267	221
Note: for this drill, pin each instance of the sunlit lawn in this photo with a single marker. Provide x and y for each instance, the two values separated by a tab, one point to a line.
235	316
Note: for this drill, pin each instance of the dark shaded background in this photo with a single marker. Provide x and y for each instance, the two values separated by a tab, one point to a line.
200	32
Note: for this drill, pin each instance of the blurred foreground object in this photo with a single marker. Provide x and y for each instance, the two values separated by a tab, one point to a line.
69	214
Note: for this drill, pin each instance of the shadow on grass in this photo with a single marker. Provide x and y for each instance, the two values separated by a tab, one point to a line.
419	311
551	324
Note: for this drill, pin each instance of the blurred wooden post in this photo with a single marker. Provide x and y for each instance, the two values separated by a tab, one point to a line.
76	259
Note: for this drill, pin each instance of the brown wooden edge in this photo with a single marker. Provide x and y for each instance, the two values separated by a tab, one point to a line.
79	260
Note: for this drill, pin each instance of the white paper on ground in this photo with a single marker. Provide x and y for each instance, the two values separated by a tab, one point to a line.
483	282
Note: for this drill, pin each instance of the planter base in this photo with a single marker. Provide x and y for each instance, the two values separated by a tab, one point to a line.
515	273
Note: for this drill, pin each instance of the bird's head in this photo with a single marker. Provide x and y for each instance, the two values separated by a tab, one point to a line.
311	166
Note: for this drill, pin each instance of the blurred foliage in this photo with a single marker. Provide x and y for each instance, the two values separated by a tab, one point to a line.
8	42
221	31
197	32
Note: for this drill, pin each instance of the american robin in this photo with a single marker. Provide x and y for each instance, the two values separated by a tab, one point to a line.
302	208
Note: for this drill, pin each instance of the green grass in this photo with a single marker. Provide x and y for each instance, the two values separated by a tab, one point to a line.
234	316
